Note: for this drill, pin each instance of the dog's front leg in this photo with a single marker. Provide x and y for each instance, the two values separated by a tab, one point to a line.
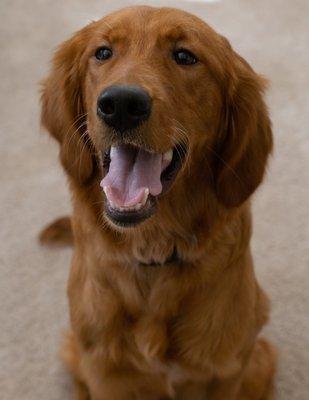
255	382
127	384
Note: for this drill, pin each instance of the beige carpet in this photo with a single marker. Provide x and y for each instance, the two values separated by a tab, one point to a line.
273	36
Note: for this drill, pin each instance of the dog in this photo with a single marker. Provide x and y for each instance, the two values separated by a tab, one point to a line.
164	136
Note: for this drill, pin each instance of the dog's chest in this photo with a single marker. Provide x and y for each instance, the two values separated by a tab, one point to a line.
164	337
154	346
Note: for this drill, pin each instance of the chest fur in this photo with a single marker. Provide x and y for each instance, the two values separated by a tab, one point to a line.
162	327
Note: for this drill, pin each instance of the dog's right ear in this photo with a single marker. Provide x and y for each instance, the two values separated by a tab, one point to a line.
246	137
63	112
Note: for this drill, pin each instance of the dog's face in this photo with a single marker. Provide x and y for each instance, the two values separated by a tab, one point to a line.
147	109
155	92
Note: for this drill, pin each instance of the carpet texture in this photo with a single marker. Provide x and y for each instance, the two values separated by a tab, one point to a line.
273	36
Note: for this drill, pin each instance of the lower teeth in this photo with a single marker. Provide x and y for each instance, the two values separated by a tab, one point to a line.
135	208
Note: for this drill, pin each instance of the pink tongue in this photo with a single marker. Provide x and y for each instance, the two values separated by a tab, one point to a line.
131	172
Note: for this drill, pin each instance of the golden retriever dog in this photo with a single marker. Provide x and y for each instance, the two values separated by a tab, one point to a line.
164	136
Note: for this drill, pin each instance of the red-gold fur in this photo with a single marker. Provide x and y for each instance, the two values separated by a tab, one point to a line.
186	330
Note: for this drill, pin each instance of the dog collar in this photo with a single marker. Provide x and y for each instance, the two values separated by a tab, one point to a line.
173	258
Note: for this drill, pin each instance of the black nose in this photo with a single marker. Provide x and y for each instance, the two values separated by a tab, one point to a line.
124	107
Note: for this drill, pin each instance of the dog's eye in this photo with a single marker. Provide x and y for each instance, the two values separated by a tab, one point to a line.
103	53
184	57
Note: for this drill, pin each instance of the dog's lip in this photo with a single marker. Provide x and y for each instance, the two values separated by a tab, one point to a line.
130	218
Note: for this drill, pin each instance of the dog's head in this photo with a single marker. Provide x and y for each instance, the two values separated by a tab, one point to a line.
158	102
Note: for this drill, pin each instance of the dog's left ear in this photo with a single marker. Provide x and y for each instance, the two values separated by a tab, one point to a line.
63	112
245	139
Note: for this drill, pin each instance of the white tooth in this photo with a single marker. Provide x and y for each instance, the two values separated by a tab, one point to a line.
112	152
138	206
105	190
168	156
145	197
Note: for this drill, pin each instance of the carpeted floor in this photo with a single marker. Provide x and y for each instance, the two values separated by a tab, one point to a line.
273	36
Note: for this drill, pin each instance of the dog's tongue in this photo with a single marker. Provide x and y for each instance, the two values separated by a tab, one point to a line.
133	173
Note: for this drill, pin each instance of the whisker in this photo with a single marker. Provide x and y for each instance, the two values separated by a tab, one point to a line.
181	141
85	145
75	121
75	132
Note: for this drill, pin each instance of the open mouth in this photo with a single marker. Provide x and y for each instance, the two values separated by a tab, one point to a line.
134	178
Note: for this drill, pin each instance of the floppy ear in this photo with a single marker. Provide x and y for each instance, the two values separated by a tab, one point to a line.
63	112
246	138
